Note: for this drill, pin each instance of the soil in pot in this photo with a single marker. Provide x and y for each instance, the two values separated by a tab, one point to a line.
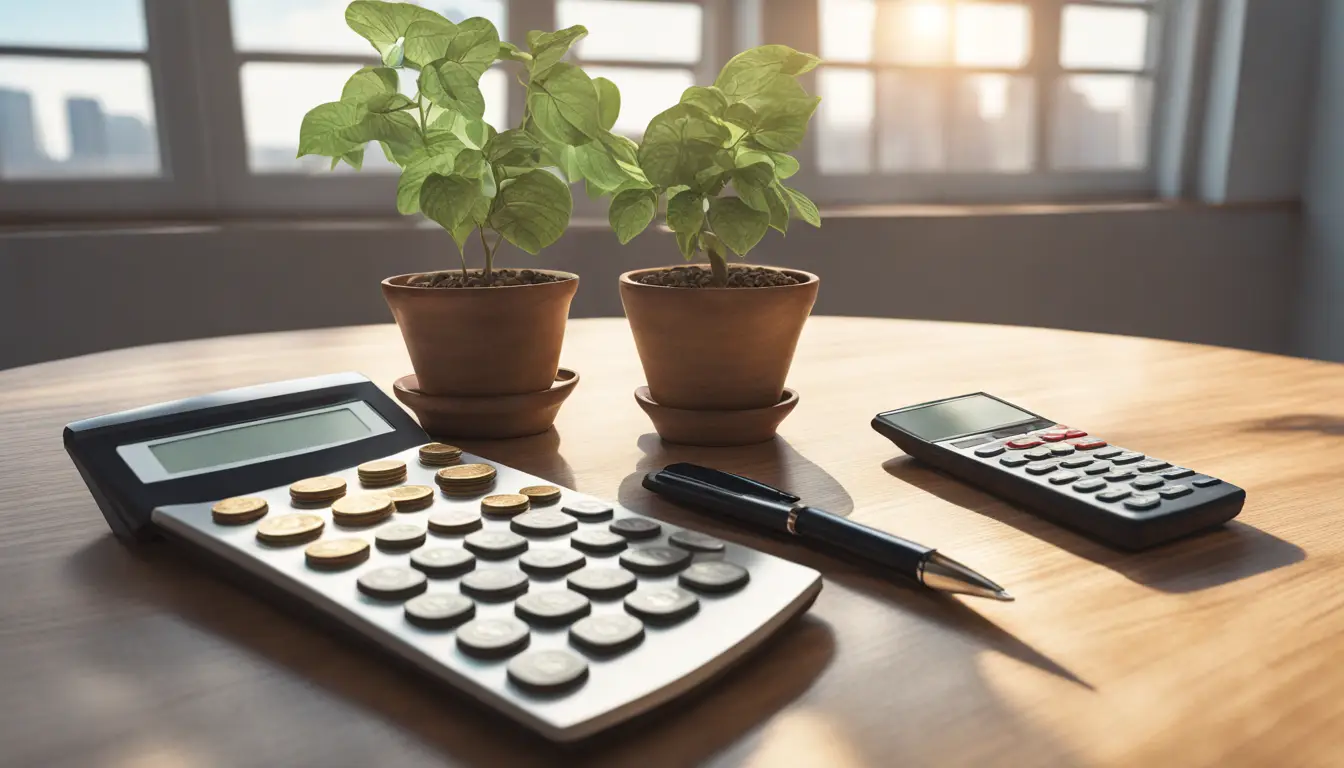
500	277
738	277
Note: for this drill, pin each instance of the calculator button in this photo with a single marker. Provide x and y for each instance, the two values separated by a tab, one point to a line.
608	633
695	541
1114	494
1088	444
439	610
492	638
552	607
1015	460
1081	461
1147	483
494	584
1205	482
661	605
1119	474
1074	433
1142	501
598	542
1176	473
1152	465
1061	449
443	561
1036	454
1175	491
1042	467
971	442
1098	469
1089	485
392	582
1063	478
1052	435
399	537
602	583
1027	441
989	450
551	561
1128	457
455	521
1109	453
588	510
657	561
713	576
636	528
543	522
547	671
495	545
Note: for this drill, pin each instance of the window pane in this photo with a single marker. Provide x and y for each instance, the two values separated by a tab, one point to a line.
73	118
107	24
993	34
318	26
644	93
911	120
992	124
625	30
1111	38
844	25
1101	121
845	135
912	32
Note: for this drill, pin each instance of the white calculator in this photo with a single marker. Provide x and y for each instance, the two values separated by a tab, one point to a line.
569	615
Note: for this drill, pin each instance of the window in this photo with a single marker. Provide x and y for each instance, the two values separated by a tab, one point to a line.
1039	96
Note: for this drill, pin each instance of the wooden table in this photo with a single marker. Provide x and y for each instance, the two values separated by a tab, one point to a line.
1220	650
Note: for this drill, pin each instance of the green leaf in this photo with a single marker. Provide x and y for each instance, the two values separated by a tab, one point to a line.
533	211
449	200
389	102
709	99
471	163
737	224
785	165
394	56
325	129
782	113
631	212
476	45
805	208
368	83
548	48
513	147
383	24
354	158
680	143
449	84
608	102
599	167
566	159
686	212
757	69
778	203
392	127
427	40
564	105
752	183
510	52
413	178
688	243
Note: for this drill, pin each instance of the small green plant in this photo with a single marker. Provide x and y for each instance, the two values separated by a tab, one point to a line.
457	169
736	134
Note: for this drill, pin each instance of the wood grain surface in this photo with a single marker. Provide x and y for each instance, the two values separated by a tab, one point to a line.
1221	650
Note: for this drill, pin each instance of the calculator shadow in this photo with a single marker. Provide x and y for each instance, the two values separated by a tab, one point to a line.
1301	422
536	455
1226	554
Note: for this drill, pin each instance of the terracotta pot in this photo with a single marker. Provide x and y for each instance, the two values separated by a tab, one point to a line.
476	342
717	348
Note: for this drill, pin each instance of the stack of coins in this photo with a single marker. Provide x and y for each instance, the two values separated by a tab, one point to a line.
439	454
290	529
362	509
335	554
465	479
505	504
411	498
382	472
239	510
541	495
317	490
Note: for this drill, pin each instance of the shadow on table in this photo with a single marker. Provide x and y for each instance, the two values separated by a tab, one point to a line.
536	455
778	464
1230	553
1302	422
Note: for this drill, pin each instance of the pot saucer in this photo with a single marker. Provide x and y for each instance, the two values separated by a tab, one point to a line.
495	417
716	428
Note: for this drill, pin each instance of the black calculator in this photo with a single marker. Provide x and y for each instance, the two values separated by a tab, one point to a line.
1066	475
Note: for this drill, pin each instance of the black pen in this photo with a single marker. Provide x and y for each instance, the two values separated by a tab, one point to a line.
762	506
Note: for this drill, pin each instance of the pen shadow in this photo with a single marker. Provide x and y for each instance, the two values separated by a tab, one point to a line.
1301	422
536	455
1226	554
684	732
777	463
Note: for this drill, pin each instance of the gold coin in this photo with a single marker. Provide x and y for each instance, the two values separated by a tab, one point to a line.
411	497
239	510
541	494
439	454
289	529
505	504
318	489
362	507
336	553
381	482
382	467
465	474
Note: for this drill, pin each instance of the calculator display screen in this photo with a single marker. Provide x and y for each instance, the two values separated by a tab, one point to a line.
245	442
965	415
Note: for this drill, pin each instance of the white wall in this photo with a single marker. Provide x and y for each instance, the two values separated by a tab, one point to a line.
1214	275
1320	330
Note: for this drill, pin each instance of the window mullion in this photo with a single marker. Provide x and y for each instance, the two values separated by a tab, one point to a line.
1046	32
184	149
219	95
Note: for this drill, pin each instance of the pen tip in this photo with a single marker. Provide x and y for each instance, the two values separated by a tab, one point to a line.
1004	596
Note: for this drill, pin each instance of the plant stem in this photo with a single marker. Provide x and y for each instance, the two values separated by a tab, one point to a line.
718	264
420	104
489	256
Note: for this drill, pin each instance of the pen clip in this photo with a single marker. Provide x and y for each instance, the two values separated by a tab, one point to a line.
730	482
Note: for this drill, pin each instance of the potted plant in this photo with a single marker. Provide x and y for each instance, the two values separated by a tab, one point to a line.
716	344
475	332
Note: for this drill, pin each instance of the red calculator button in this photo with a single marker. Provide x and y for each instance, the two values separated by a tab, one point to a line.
1029	441
1075	433
1088	443
1054	435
